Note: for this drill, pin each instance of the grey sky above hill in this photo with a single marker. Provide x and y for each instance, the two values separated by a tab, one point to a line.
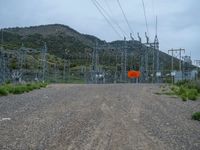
178	20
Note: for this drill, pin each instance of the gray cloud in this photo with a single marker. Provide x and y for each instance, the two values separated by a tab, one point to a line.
178	21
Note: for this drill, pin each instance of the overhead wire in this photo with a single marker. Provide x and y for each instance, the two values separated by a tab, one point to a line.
117	24
96	4
126	19
145	16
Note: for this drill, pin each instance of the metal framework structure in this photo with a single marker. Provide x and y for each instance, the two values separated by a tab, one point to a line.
179	51
180	57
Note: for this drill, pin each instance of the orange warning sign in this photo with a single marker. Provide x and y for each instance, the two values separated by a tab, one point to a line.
133	74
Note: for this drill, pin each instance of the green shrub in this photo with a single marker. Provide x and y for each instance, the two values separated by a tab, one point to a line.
192	97
196	116
182	91
3	91
192	94
175	89
184	97
193	91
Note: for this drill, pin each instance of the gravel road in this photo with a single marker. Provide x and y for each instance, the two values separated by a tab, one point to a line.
98	117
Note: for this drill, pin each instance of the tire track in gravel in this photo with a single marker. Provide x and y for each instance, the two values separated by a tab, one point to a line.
169	123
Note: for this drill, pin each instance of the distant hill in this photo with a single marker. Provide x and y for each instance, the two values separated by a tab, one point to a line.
58	38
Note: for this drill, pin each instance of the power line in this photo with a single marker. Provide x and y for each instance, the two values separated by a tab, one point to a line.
113	20
129	26
120	28
145	16
96	5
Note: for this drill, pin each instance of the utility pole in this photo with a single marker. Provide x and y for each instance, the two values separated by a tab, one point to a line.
68	61
44	52
64	70
3	66
125	60
93	69
115	68
55	73
122	64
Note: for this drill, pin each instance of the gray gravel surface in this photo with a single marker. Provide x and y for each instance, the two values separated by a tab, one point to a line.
98	117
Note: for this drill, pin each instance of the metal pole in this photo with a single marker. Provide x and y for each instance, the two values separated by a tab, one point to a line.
122	68
172	66
125	60
44	51
116	69
69	63
64	71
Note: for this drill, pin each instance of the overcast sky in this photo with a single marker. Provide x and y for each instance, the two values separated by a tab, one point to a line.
178	20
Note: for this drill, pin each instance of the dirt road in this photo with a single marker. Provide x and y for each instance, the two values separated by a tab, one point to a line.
98	117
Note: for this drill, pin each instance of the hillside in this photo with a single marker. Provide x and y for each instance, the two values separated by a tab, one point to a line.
58	38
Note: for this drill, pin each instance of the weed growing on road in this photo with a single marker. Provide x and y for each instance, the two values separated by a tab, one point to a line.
164	90
192	94
184	97
196	116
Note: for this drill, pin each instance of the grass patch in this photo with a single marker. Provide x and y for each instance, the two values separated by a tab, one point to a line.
20	88
192	94
196	116
3	91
